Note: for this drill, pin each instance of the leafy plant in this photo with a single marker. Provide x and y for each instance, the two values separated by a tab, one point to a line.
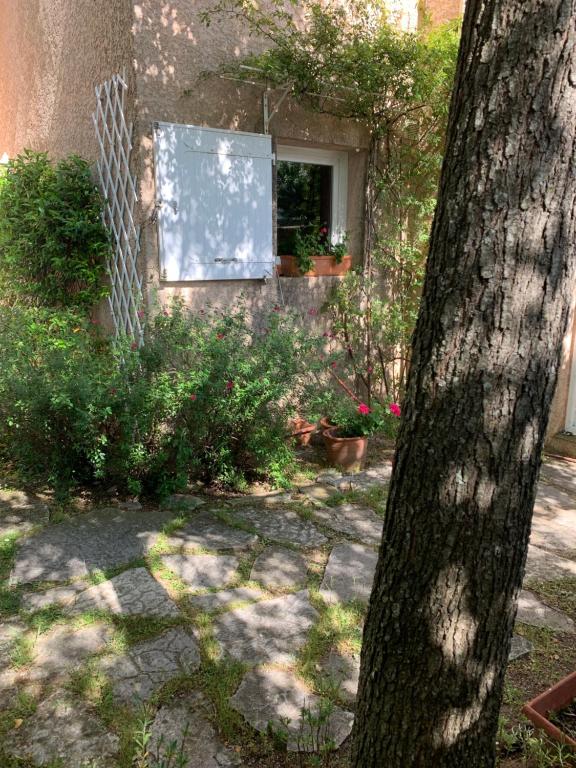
166	754
53	244
347	60
317	244
360	420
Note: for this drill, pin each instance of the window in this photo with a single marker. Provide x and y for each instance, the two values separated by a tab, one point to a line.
311	188
214	202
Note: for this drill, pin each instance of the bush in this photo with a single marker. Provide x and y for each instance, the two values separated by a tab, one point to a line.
53	245
207	397
210	397
55	382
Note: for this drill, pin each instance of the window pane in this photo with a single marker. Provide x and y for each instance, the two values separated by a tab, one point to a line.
304	193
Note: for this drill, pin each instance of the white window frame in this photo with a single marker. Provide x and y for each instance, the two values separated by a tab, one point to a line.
338	160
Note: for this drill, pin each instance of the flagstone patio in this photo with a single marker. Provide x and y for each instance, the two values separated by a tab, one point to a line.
148	605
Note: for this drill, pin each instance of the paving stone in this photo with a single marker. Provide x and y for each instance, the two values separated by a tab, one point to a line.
561	473
349	573
74	548
146	666
183	502
282	525
533	611
358	522
206	532
378	475
131	593
20	512
520	647
131	505
554	519
35	601
186	723
216	601
202	571
345	672
546	566
64	649
64	729
279	567
270	631
319	492
277	697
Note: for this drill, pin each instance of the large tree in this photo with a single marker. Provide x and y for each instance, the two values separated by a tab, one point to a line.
485	358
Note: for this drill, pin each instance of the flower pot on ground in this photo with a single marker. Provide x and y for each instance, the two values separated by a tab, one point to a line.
347	453
541	709
322	266
301	430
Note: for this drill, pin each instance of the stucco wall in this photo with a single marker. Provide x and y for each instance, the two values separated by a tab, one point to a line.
441	11
177	61
52	54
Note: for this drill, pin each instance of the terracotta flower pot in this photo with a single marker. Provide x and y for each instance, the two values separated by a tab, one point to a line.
324	266
347	453
553	700
325	423
302	431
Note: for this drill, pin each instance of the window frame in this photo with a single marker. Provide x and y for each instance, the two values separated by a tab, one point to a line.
338	161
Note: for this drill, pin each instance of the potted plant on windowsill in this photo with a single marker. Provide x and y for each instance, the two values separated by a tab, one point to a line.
316	256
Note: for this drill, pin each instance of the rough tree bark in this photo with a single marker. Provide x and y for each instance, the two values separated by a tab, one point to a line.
485	357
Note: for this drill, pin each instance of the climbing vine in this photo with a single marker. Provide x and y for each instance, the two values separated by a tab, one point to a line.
349	61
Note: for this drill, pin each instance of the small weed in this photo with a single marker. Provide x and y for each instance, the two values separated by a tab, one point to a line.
22	651
44	619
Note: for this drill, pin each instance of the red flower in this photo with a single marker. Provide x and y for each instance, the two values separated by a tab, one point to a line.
113	391
333	365
363	409
312	312
229	385
369	369
323	230
219	336
140	313
276	308
95	322
133	346
192	397
395	409
166	313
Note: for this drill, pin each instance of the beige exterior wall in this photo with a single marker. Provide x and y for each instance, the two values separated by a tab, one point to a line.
52	54
441	11
177	61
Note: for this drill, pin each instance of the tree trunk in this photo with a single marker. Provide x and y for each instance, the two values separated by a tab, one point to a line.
484	363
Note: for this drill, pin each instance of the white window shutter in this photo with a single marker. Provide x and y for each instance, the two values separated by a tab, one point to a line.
214	196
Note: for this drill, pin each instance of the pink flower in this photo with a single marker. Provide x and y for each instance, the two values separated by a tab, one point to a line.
219	336
333	365
134	346
192	397
276	308
113	391
312	312
323	230
95	322
395	409
369	369
166	313
229	385
363	409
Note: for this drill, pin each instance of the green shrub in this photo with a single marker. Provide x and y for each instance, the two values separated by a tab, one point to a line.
55	383
53	245
209	396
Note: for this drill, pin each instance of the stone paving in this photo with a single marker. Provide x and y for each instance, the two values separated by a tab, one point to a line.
245	564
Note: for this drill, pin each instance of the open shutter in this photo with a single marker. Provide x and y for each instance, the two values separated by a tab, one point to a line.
214	195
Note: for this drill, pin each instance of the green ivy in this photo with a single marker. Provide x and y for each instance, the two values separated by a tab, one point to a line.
53	244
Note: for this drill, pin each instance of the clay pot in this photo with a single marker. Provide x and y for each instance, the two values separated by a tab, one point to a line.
554	699
346	453
302	431
324	266
325	423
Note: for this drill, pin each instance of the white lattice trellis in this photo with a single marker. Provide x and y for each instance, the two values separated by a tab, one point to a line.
119	191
